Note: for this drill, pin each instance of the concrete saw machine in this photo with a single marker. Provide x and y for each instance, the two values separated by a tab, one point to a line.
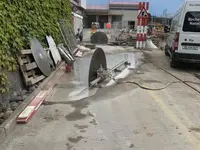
98	70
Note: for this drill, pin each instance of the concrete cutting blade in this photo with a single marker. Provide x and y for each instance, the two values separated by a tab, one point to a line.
54	50
99	38
40	57
98	60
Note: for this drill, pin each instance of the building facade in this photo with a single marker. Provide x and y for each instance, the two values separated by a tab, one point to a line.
78	13
119	14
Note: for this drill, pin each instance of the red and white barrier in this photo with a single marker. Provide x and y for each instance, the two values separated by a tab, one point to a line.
31	109
145	25
138	27
142	25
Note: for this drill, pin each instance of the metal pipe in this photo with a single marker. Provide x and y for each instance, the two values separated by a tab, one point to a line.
109	72
95	81
118	65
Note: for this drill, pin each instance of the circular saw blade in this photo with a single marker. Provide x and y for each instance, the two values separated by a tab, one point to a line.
99	38
98	60
54	51
40	57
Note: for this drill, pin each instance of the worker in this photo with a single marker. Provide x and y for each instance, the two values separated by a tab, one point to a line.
93	28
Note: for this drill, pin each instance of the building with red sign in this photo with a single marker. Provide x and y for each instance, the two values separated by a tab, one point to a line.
122	14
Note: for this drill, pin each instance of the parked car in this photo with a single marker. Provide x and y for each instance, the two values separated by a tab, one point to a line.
183	42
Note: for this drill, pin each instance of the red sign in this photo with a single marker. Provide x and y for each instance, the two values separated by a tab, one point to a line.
143	14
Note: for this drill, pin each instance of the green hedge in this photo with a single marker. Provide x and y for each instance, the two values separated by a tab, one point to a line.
22	19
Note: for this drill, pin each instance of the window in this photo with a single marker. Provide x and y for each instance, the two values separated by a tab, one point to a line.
192	22
175	22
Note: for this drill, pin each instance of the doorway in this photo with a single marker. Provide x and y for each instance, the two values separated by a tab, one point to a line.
131	25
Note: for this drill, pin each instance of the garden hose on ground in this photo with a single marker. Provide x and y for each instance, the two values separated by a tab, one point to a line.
153	89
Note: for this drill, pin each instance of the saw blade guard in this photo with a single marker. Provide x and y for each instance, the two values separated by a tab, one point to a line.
98	62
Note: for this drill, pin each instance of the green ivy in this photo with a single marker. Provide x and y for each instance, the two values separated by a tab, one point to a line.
22	19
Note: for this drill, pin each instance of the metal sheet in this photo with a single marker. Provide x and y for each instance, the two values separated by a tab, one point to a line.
66	55
54	51
40	57
99	38
67	32
98	59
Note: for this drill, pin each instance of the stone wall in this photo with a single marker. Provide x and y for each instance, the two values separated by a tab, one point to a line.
16	87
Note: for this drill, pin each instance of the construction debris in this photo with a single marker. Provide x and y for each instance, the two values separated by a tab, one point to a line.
68	57
150	45
83	49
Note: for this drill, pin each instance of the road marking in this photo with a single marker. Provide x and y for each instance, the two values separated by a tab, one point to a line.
27	111
182	113
185	131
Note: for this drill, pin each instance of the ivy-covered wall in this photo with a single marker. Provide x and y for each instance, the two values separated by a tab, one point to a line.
22	19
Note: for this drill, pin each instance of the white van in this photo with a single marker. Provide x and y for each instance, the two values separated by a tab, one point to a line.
183	43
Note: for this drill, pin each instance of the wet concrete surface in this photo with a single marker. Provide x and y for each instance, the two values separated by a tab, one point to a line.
75	140
81	66
117	117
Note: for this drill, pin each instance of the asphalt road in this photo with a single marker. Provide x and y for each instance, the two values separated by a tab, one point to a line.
118	117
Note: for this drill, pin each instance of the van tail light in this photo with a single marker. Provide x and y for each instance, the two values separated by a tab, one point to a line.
176	40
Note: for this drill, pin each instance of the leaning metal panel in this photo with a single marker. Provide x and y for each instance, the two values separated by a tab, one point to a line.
68	34
40	57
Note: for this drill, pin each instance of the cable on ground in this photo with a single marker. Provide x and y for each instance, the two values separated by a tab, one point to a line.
153	89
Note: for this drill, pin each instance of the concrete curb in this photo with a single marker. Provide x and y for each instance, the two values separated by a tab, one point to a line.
9	125
2	135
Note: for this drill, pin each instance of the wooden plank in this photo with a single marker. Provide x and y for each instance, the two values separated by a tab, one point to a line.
23	73
26	51
30	66
32	70
28	59
20	61
24	60
36	80
29	73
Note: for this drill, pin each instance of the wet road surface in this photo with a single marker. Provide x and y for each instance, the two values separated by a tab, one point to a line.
118	117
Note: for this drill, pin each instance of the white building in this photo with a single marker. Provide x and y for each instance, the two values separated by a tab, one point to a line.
78	7
114	12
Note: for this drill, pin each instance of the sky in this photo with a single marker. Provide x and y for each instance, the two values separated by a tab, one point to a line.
156	6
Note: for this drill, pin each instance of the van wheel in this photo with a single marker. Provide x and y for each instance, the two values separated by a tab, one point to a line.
166	51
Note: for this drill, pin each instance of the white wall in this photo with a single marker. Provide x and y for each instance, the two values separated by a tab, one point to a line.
83	3
127	15
78	22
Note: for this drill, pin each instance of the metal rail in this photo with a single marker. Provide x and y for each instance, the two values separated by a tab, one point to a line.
109	72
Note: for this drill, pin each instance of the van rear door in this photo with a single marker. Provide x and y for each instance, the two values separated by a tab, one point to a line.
189	37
